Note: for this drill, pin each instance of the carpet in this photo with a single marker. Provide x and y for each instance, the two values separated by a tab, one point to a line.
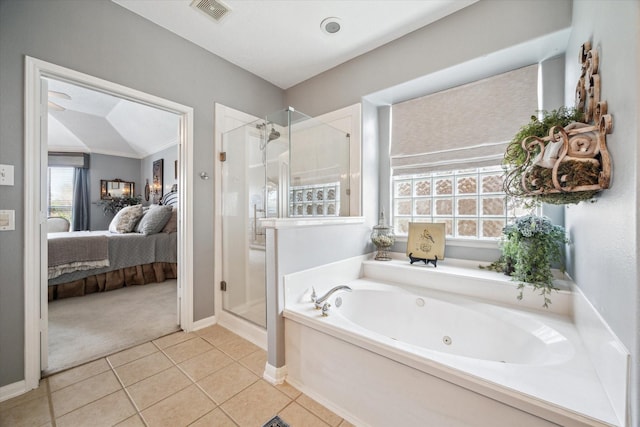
86	328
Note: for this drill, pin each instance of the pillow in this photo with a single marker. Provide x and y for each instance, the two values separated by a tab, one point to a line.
172	224
154	219
126	219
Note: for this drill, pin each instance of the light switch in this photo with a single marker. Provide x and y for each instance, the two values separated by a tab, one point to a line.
7	220
6	174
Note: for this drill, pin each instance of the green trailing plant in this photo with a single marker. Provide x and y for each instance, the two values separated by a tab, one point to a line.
114	204
516	162
530	246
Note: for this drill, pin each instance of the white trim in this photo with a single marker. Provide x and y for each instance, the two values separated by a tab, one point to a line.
274	375
34	70
204	323
12	390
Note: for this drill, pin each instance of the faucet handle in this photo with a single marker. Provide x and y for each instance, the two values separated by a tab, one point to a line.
314	296
325	309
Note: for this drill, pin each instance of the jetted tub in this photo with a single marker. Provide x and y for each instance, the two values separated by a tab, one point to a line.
463	328
400	354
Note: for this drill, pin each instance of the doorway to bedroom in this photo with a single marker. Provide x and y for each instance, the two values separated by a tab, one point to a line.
126	139
105	154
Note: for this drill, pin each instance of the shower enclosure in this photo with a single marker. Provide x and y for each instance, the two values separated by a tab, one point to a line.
287	165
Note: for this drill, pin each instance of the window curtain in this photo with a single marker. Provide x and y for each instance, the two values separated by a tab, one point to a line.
468	126
81	204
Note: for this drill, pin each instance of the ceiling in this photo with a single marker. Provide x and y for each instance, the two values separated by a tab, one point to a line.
282	40
96	122
279	40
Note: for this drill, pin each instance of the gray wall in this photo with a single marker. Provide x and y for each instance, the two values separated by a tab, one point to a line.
104	167
105	40
604	255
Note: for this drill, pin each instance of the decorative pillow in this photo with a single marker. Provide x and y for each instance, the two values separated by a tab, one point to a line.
126	219
154	219
172	224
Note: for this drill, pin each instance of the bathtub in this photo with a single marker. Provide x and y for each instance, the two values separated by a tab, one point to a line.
408	353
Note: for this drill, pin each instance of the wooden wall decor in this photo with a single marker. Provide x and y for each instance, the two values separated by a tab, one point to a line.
573	158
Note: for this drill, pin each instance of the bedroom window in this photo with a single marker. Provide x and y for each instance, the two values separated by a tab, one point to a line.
60	195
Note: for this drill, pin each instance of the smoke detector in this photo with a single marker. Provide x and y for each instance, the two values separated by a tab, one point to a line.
331	25
213	8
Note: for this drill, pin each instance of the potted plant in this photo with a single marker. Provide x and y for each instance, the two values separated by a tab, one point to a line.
530	247
523	154
114	204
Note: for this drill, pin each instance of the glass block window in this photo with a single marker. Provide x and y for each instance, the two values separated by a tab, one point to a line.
469	202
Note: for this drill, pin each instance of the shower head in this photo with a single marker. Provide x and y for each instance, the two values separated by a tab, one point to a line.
274	134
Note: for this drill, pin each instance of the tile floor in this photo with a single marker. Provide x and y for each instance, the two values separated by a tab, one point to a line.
210	377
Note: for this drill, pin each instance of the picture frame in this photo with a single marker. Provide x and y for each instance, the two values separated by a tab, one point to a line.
158	170
426	240
175	169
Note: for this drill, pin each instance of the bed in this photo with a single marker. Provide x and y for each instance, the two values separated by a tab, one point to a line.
140	247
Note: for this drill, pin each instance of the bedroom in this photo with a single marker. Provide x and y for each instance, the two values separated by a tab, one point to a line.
129	154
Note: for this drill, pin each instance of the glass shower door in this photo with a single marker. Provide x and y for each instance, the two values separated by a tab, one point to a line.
243	240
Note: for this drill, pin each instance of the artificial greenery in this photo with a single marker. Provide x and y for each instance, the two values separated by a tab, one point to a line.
529	248
516	162
114	204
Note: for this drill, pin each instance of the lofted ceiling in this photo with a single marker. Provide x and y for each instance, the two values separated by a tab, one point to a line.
282	40
96	122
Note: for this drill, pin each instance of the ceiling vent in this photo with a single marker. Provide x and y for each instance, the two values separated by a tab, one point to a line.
213	8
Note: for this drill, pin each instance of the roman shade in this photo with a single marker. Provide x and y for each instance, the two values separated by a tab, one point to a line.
467	126
71	160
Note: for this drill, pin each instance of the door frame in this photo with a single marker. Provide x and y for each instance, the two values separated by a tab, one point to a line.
34	218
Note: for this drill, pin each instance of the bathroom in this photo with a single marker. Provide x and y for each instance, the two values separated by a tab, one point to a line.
603	255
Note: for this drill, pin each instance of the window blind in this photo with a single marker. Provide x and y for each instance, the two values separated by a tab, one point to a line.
75	160
467	126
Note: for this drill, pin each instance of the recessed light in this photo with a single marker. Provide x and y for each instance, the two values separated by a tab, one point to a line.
330	25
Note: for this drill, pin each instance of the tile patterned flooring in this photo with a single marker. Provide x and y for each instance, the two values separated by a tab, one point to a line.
210	377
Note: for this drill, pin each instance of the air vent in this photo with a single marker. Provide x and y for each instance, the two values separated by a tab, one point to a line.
213	8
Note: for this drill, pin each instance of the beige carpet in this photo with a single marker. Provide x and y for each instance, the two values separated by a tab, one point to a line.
86	328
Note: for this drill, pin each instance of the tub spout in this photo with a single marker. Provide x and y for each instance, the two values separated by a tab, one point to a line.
320	301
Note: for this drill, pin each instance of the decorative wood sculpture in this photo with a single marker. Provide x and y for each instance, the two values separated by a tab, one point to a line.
574	158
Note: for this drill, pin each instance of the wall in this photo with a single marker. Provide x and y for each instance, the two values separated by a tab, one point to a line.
104	167
169	156
477	31
604	250
105	40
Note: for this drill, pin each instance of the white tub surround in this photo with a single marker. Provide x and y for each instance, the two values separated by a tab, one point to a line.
414	344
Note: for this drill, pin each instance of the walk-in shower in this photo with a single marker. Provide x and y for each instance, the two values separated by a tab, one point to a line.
285	165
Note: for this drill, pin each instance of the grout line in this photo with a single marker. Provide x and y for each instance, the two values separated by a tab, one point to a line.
50	399
127	392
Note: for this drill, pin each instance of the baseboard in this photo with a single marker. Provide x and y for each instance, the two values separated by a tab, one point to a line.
203	323
274	375
12	390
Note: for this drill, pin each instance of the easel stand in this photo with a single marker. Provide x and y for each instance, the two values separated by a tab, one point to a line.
413	259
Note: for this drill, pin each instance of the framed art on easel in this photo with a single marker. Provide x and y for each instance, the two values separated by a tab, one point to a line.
426	240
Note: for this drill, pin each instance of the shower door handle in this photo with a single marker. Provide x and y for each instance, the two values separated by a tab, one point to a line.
255	222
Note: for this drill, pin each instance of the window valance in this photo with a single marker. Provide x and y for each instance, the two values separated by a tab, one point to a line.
463	127
70	160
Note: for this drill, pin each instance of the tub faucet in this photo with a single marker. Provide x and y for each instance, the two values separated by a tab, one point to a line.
320	301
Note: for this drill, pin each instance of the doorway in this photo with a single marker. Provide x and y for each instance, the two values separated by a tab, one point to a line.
36	297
